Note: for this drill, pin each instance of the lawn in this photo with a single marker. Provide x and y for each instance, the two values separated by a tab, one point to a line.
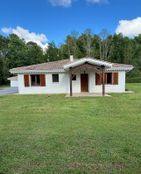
42	134
4	86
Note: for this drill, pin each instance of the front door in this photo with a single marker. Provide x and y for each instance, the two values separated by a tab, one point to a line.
84	82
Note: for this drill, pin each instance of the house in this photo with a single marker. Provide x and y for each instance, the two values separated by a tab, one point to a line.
13	81
71	76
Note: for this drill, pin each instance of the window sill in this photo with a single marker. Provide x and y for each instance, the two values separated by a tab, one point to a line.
108	85
34	86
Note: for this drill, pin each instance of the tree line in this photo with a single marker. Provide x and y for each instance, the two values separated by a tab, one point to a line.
15	52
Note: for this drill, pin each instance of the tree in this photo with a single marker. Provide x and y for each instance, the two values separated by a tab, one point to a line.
88	41
16	52
117	52
71	42
3	60
34	54
104	45
53	53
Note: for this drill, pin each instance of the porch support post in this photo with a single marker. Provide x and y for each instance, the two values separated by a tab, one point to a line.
70	82
103	80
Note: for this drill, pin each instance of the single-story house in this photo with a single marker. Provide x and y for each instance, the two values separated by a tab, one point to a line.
71	76
13	81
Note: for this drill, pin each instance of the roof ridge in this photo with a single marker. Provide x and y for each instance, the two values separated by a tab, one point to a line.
97	59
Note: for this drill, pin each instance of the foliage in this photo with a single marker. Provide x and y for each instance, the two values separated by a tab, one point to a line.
52	54
15	52
58	135
134	79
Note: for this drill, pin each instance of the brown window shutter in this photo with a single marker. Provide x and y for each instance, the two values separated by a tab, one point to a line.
42	80
115	78
98	79
26	80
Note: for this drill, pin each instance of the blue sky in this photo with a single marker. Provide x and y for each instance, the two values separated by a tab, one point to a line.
47	20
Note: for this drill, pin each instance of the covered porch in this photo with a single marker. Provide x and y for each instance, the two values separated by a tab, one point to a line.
84	67
87	94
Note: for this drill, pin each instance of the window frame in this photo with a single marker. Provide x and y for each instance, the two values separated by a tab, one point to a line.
111	78
37	84
53	80
73	77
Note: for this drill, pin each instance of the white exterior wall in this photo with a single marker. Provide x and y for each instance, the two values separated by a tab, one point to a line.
63	86
108	88
76	85
14	83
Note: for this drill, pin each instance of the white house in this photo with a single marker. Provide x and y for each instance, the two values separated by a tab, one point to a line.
71	76
13	81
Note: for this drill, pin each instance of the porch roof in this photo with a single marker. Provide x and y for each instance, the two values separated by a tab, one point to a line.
91	61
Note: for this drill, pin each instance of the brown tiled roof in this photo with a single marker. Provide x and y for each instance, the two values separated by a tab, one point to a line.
57	65
121	65
44	66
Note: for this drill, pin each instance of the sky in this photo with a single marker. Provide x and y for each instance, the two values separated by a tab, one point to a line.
43	21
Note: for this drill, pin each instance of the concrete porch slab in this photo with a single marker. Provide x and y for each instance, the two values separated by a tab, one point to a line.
86	94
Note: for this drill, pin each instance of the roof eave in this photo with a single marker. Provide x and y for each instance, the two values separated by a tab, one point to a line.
35	71
127	69
88	60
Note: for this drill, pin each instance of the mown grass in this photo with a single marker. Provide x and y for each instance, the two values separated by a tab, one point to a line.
42	134
4	86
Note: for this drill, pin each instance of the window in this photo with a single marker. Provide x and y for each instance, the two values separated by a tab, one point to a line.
109	78
55	77
35	80
73	77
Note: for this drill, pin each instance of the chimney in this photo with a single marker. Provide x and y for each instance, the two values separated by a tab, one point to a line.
71	58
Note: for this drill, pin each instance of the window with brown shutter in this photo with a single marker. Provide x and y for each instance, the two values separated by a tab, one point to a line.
110	79
35	79
42	80
26	80
98	79
115	78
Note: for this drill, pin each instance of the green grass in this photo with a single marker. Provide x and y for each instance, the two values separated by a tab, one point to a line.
4	86
42	134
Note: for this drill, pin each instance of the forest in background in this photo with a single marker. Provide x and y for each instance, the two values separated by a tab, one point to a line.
15	52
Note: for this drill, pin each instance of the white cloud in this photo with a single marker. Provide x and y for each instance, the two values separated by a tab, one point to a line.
67	3
97	1
25	34
6	30
129	28
64	3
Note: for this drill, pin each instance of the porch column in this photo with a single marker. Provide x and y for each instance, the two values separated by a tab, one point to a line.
103	80
70	82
